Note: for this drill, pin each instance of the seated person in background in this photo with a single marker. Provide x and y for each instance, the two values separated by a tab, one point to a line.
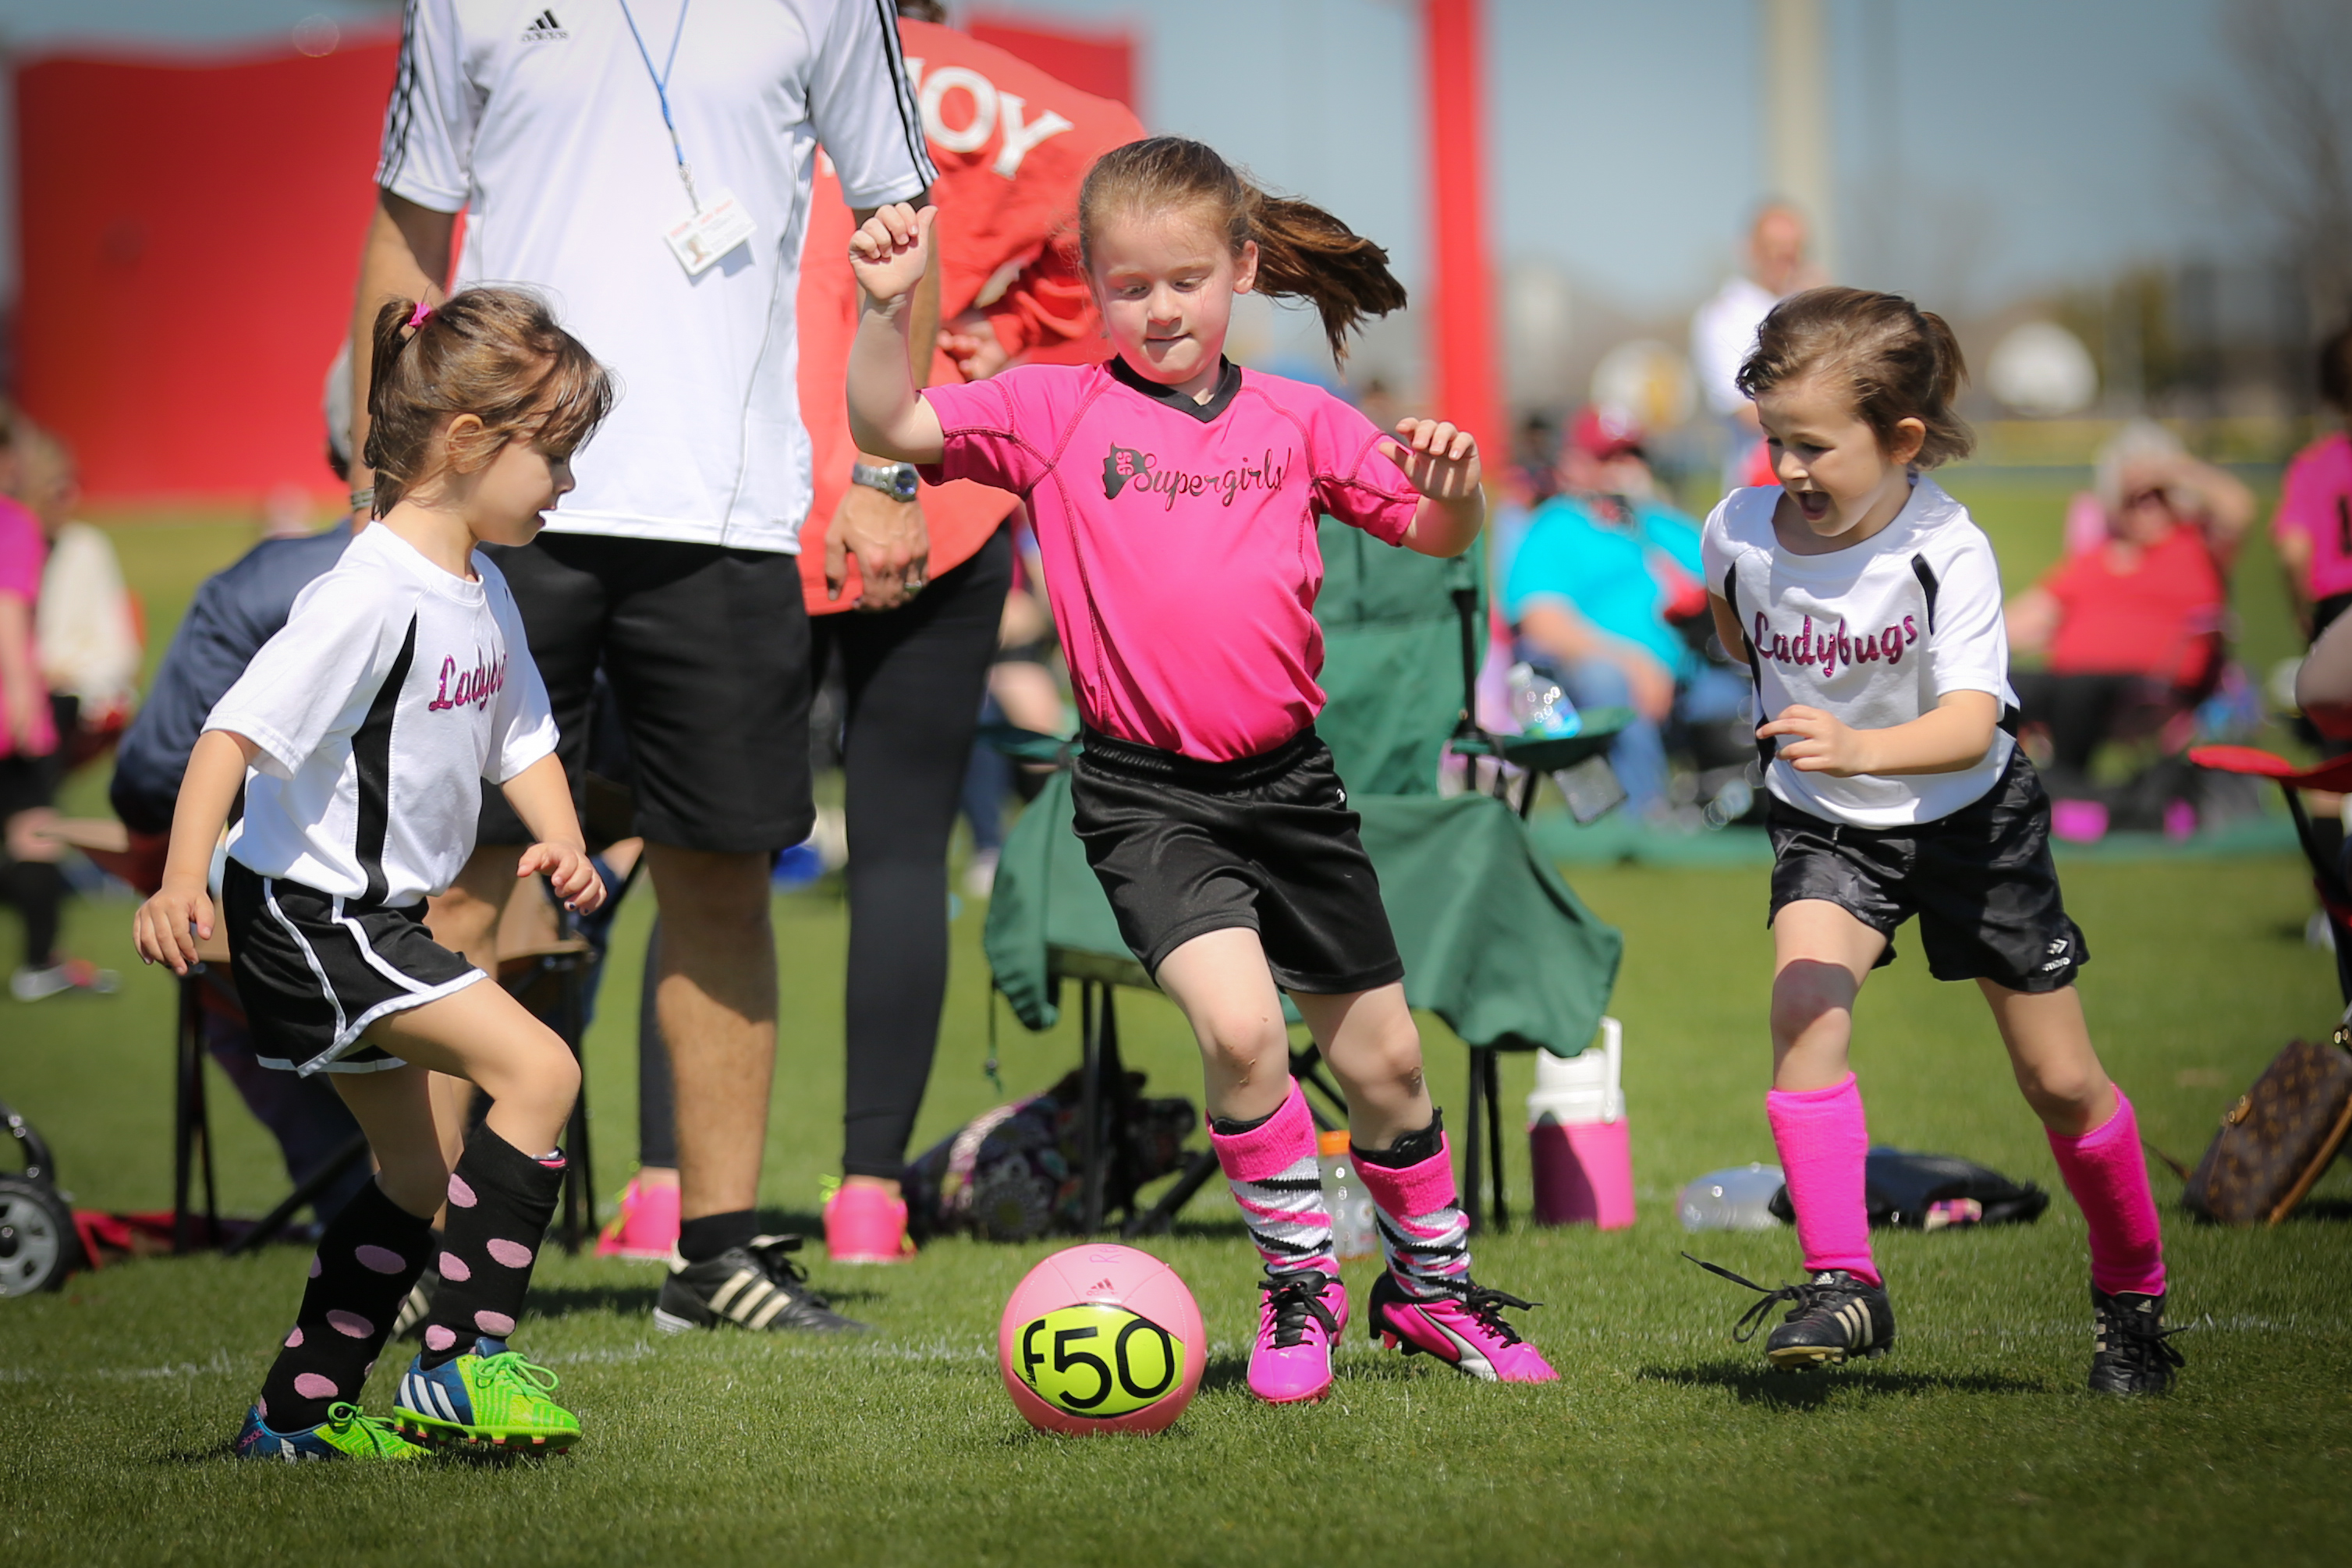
1595	593
2313	525
87	624
2140	620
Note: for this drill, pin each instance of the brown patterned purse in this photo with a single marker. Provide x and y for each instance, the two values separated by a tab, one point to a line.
2279	1138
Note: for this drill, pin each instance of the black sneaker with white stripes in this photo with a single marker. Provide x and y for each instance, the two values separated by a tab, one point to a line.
755	1286
2131	1354
1833	1316
419	1304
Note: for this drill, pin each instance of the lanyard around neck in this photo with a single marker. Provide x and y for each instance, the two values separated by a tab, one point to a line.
661	89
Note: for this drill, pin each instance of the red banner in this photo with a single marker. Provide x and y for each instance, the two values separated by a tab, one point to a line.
191	236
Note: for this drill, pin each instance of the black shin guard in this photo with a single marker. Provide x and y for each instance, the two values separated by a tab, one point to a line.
368	1258
501	1200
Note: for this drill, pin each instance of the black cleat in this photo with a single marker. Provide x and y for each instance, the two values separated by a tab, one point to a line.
756	1285
2131	1355
1833	1315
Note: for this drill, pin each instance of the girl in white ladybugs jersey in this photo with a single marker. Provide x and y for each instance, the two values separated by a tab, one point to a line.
360	735
1868	606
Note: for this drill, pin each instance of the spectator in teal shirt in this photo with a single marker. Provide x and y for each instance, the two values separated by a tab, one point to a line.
1594	595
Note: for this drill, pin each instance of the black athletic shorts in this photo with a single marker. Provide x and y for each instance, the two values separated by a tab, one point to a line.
706	649
313	970
1980	880
1264	843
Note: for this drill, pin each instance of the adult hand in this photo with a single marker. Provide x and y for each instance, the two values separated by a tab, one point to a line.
161	928
1441	460
891	540
971	340
890	252
1823	745
568	872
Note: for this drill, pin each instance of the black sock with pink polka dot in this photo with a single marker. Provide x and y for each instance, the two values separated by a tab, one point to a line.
501	1200
369	1256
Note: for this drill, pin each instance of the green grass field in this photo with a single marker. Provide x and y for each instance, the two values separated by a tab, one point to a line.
1663	1442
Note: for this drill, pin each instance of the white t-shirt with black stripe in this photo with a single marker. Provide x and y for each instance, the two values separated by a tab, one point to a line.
1875	634
394	689
539	119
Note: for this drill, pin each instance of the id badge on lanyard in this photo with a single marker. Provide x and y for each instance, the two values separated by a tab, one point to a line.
702	240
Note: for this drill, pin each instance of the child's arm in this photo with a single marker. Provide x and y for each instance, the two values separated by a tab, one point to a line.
1954	737
888	415
1727	630
216	773
1442	464
542	797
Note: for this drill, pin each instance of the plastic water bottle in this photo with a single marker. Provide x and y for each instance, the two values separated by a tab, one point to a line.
1346	1198
1539	706
1736	1199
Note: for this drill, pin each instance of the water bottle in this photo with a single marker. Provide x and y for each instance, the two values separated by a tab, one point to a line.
1736	1199
1539	706
1344	1196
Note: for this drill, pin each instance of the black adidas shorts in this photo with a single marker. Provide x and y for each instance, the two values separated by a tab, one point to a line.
312	971
707	652
1264	843
1980	880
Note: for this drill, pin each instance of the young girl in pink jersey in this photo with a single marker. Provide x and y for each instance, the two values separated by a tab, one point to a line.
1175	499
1868	605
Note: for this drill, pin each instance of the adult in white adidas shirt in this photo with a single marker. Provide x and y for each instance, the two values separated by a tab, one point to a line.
646	165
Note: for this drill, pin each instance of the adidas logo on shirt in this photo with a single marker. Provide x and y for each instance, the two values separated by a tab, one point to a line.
544	29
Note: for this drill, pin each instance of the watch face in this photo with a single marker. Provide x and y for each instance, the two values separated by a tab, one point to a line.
902	481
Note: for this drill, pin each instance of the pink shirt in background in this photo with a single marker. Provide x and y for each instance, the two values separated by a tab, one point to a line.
1179	538
22	553
2316	500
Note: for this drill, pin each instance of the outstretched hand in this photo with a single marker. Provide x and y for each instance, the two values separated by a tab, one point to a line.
1441	460
1824	743
889	252
567	872
168	926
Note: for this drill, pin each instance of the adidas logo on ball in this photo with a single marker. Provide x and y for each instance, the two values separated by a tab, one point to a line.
544	29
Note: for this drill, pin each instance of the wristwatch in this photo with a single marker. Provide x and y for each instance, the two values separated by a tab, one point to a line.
896	480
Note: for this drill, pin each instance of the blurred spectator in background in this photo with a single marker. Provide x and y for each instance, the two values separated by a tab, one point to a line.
1723	332
87	624
2137	626
2313	526
1599	595
1025	690
32	750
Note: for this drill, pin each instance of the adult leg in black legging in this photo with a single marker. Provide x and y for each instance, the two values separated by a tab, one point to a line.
915	676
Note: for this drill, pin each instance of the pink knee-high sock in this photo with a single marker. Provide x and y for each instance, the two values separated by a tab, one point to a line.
1279	1188
1823	1143
1424	1233
2108	1176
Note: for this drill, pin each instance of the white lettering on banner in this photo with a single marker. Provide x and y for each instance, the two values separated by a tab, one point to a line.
1020	138
982	125
988	106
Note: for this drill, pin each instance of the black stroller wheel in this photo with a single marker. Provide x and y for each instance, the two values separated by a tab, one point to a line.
37	1245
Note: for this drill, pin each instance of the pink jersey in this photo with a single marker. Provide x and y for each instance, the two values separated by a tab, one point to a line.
1179	538
23	551
2316	500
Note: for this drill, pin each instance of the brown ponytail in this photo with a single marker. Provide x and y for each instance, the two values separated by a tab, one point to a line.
1302	252
1897	360
496	354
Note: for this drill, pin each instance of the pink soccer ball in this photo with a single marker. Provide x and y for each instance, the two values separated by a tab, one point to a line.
1101	1338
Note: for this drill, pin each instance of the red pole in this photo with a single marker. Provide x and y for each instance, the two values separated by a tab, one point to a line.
1461	322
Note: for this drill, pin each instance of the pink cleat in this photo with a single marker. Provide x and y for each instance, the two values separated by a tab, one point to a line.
1463	1329
865	1224
1304	1313
646	1228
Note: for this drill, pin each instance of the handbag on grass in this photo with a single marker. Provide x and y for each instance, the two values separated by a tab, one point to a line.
2279	1136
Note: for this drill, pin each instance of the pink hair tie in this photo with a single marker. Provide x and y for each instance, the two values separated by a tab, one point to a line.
424	313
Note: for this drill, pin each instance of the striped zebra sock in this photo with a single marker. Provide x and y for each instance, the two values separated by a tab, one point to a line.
1424	1232
1278	1187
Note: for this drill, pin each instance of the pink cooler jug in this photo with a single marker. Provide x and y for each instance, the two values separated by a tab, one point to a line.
1575	1136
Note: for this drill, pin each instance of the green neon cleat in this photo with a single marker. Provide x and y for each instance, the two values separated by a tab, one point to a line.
345	1434
489	1398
